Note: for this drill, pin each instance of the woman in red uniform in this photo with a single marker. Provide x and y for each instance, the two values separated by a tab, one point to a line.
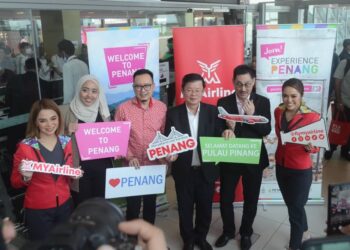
47	199
293	161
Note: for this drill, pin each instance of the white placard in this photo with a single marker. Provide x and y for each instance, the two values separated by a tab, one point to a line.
314	133
129	181
174	143
49	168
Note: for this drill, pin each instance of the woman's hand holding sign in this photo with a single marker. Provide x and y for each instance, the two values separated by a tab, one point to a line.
310	148
134	162
72	128
26	175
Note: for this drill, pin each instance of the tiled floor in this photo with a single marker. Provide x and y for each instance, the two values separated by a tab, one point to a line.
271	224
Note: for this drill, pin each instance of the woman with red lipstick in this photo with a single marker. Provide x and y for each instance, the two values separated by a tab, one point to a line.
47	199
293	161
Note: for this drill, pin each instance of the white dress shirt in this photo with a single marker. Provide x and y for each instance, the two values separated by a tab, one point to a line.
193	120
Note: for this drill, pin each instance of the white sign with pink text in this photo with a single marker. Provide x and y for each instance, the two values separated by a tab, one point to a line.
129	181
314	133
174	143
49	168
102	139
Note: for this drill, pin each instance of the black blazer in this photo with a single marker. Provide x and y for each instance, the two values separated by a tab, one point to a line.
243	130
208	125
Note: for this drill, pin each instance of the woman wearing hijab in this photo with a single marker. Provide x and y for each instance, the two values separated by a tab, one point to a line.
88	105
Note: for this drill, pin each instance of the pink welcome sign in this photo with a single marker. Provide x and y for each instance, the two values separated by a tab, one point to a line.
102	139
272	49
122	62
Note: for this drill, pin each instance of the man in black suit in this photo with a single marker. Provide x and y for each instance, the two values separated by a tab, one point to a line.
243	101
194	180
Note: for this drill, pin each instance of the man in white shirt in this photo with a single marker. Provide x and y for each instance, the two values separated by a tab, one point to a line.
194	180
73	69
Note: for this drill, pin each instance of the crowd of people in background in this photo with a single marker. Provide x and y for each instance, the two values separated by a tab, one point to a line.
50	137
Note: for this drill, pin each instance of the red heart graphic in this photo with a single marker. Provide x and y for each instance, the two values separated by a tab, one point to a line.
114	182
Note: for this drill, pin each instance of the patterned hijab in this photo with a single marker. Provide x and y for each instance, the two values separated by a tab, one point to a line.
89	114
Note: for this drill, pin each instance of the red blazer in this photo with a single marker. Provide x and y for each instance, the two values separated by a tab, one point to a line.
293	155
43	191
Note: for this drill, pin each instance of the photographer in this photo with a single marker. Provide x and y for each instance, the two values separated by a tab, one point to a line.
99	224
149	236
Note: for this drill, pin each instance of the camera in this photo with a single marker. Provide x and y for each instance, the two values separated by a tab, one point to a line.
92	224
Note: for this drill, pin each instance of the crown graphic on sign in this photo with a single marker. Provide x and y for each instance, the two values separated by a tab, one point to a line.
174	135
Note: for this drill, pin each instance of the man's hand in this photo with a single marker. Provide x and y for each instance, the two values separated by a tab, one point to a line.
149	236
171	158
231	125
228	134
134	162
248	107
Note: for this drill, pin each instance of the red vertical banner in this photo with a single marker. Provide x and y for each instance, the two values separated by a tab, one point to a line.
212	52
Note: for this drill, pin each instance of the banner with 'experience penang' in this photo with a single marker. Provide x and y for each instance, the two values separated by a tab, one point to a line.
293	51
116	53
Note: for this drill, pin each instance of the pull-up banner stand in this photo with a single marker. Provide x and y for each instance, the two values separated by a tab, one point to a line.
293	51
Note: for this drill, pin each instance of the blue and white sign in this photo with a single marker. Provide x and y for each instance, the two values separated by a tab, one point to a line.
128	181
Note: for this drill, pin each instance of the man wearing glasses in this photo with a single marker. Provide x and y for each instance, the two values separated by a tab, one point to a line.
244	102
147	116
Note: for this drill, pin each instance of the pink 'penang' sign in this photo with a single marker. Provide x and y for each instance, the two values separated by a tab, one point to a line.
102	139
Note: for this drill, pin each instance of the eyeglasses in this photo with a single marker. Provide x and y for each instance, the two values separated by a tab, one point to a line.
193	91
146	87
241	85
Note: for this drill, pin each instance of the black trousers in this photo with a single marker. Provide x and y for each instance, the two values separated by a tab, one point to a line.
133	207
295	187
40	222
194	193
93	182
344	148
251	179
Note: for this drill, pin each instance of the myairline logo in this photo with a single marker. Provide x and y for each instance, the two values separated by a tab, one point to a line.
209	72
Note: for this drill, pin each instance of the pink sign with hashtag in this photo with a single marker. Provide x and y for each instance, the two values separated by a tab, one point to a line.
122	62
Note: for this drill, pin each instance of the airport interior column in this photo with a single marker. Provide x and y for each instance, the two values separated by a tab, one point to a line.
52	29
71	26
